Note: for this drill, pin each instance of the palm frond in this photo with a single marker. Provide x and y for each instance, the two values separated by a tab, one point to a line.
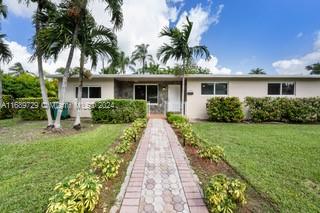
200	51
115	9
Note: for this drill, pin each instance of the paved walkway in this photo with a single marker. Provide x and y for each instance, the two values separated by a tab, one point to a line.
161	180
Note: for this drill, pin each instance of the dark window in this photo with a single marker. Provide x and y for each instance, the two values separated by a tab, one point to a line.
90	92
152	94
84	92
146	92
221	89
207	89
287	88
140	92
274	89
95	92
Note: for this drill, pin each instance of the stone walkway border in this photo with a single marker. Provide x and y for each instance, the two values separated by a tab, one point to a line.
161	179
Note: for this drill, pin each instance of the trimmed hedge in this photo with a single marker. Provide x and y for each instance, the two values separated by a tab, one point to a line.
295	110
173	118
225	109
6	110
30	109
118	111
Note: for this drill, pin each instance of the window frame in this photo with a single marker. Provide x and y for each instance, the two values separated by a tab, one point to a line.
145	85
282	82
214	88
77	88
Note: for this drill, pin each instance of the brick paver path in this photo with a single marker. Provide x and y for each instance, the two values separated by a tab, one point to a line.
161	180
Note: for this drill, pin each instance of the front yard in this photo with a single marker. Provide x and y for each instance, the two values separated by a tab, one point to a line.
280	160
32	162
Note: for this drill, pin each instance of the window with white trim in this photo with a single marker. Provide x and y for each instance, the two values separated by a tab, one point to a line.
282	88
148	92
214	89
90	92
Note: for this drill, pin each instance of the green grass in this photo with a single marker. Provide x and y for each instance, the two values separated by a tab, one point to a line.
18	131
280	160
30	170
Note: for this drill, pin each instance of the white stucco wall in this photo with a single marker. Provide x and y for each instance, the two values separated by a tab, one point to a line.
196	103
107	92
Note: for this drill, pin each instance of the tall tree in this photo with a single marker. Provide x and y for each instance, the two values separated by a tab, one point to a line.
141	54
314	69
40	22
179	50
5	54
257	71
94	42
18	69
75	12
119	65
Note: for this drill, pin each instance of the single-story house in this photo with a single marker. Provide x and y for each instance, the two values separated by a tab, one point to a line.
163	92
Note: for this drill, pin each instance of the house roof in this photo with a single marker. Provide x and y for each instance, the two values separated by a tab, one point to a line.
166	77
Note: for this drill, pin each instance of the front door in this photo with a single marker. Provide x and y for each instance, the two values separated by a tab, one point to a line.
174	98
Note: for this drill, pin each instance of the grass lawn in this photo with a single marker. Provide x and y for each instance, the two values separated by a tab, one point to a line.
18	131
282	161
30	170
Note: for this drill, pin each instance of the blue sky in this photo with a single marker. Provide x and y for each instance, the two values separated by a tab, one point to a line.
245	35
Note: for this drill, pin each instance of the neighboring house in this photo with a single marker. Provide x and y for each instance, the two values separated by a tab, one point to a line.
163	92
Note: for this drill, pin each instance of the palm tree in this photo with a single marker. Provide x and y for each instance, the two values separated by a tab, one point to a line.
72	72
71	15
5	54
257	71
314	68
39	23
141	54
94	42
179	50
18	69
119	65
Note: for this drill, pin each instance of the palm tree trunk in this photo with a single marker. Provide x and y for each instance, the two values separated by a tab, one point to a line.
183	94
43	88
0	88
143	61
57	123
77	123
183	87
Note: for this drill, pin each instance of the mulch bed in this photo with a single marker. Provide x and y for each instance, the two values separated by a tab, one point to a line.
205	169
111	188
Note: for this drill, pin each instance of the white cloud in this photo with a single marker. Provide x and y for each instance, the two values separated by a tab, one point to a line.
20	9
202	19
213	66
143	21
297	65
22	55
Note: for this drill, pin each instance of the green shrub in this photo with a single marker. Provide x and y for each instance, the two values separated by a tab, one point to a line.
176	118
6	108
168	114
79	194
106	165
118	111
224	109
31	109
130	135
224	194
123	147
297	110
190	137
211	152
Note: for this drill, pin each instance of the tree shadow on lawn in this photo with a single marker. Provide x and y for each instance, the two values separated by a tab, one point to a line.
14	131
